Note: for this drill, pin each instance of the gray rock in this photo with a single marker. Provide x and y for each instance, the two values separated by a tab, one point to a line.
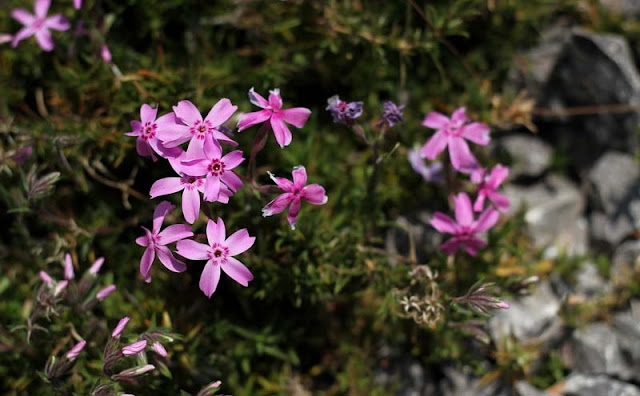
400	370
627	328
596	350
627	8
608	231
625	263
553	213
589	283
426	240
525	389
463	383
532	318
531	156
597	385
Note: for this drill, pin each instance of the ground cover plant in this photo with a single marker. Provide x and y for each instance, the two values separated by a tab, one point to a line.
196	198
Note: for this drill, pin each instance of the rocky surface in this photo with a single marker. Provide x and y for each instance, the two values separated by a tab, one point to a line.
426	240
530	156
597	385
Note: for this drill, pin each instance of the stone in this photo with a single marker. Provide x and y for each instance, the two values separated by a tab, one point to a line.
426	240
597	385
627	328
627	8
530	156
589	283
525	389
625	263
553	209
596	350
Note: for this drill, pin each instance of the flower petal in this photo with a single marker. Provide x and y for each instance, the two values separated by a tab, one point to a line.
174	233
213	151
296	116
146	261
501	201
160	213
209	278
277	205
190	204
142	241
314	194
237	271
23	16
232	159
170	262
57	22
299	176
434	146
464	213
187	112
42	7
285	184
498	174
21	35
460	115
280	130
211	188
232	181
443	223
461	157
479	204
216	232
477	132
44	39
193	250
250	119
487	219
148	113
435	120
257	99
294	209
275	100
142	148
221	112
239	242
166	186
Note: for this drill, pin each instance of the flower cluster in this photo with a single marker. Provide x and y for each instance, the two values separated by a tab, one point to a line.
453	133
205	172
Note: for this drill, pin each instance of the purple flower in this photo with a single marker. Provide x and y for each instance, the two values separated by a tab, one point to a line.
431	173
75	351
391	115
147	132
465	227
105	292
343	112
294	193
159	349
201	133
155	241
274	113
38	24
488	189
117	331
219	252
217	168
453	132
68	267
135	348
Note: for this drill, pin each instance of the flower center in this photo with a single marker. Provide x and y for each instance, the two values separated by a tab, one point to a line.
343	107
149	130
218	253
191	182
201	128
216	167
38	23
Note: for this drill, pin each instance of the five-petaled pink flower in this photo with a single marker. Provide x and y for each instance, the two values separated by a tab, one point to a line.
191	187
201	132
465	227
453	132
294	193
147	132
217	168
38	24
219	253
155	241
273	112
487	189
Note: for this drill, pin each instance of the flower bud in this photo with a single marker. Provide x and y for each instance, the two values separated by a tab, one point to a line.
75	351
135	348
95	267
159	349
120	327
133	372
104	293
68	267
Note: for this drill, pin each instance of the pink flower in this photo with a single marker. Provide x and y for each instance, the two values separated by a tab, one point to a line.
200	132
453	132
294	193
159	349
465	227
135	348
105	53
156	241
191	187
147	132
219	253
77	4
75	351
117	331
217	168
105	292
68	267
274	113
38	24
487	189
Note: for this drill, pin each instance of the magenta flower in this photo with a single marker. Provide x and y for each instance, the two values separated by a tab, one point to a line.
487	189
191	187
465	227
135	348
217	168
274	113
68	267
147	132
190	126
105	292
294	193
219	253
155	241
38	24
75	351
117	331
453	132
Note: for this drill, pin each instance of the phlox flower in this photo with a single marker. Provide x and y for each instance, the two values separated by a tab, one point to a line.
191	187
430	173
452	133
146	130
488	187
464	228
219	255
391	114
343	112
190	126
38	24
155	241
275	114
294	193
217	168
